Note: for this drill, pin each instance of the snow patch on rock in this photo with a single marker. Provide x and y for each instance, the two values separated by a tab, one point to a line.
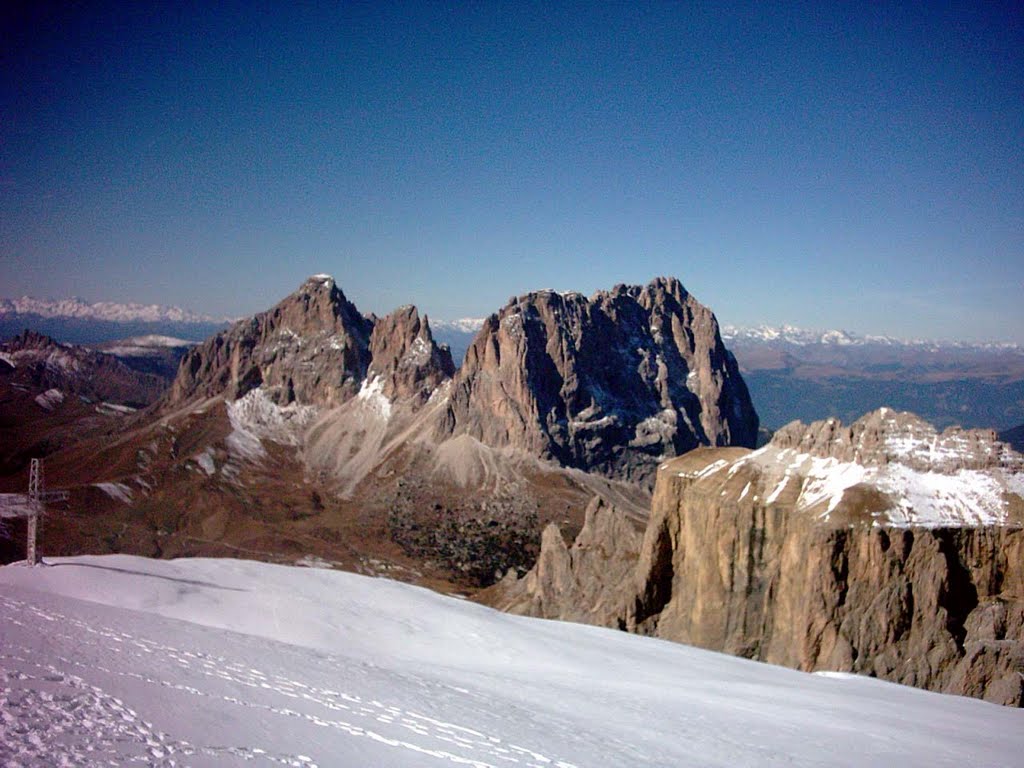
417	354
372	393
441	393
50	399
206	463
111	409
927	498
117	491
256	416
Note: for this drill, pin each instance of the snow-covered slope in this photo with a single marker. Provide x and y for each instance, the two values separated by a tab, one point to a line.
470	325
210	662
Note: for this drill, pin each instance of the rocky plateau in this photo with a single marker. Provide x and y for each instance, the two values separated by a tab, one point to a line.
881	548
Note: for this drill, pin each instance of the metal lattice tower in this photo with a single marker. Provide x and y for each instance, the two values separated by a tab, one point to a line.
37	496
35	490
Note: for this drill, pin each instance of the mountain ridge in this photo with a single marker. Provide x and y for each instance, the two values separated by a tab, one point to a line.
130	311
616	381
110	311
800	336
312	428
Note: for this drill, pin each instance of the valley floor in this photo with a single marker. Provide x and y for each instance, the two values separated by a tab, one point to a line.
123	660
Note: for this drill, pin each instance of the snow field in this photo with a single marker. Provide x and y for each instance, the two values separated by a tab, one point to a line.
123	660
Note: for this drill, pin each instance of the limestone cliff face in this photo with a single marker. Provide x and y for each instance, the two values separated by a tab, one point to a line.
906	565
939	607
614	383
587	582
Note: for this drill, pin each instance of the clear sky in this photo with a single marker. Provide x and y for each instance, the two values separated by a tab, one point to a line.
847	165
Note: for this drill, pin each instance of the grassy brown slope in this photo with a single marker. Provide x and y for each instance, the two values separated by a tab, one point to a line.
275	509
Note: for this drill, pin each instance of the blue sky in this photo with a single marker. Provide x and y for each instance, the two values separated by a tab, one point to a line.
829	165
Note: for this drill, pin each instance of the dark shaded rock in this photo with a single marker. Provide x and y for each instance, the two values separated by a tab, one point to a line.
38	363
1014	437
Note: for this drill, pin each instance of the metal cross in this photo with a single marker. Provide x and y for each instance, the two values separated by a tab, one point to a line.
38	497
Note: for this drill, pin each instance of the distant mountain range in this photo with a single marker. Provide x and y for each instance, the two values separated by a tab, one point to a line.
794	373
80	322
104	310
457	334
789	335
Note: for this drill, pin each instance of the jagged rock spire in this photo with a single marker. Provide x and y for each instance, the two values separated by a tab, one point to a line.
405	357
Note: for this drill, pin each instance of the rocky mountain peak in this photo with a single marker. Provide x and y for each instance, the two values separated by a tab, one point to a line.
315	348
614	383
29	339
405	356
886	436
318	307
659	290
312	348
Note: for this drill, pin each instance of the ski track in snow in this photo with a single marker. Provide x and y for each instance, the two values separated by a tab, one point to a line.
52	715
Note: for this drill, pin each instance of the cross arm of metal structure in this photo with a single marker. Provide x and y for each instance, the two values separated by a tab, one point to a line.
47	496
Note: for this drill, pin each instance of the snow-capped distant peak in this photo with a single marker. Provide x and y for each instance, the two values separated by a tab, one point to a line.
102	310
463	324
791	334
802	337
